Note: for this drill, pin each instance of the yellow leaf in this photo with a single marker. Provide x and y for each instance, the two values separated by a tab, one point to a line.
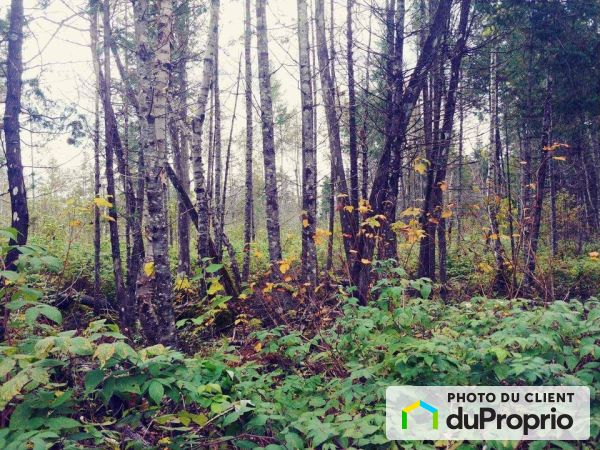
494	237
108	218
258	347
363	206
594	256
320	235
413	212
420	165
349	208
102	202
75	223
304	223
182	283
485	267
104	352
446	214
215	286
560	158
365	261
443	186
149	268
268	288
284	266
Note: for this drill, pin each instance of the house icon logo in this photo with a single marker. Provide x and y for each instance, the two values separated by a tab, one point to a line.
425	406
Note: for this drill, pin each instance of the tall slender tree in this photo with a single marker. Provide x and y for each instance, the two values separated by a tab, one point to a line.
200	187
110	141
328	91
249	205
12	109
268	141
309	152
156	162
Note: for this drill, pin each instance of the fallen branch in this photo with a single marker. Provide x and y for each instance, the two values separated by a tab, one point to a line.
228	283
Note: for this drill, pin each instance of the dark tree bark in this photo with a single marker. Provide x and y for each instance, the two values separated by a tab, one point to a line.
388	167
96	141
249	206
266	113
532	226
180	138
501	279
133	205
394	80
12	109
126	311
352	145
309	152
339	185
364	146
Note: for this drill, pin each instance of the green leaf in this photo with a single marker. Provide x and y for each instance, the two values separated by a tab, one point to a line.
293	440
48	311
156	391
9	233
59	423
6	366
212	268
9	275
93	379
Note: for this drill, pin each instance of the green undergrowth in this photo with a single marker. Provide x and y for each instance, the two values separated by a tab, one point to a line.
90	389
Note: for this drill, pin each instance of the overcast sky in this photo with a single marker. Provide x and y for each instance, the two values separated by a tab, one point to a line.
56	51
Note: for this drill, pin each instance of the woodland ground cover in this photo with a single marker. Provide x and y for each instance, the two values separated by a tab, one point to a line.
316	383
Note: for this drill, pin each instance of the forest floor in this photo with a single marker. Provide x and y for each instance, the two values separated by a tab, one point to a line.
282	366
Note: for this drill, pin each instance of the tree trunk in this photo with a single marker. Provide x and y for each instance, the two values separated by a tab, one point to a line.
180	137
364	146
221	222
197	126
352	146
249	205
156	161
339	185
387	174
12	109
493	195
309	153
266	113
96	141
395	80
532	227
126	312
218	166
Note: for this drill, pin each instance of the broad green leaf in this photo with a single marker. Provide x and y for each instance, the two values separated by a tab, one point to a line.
156	391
